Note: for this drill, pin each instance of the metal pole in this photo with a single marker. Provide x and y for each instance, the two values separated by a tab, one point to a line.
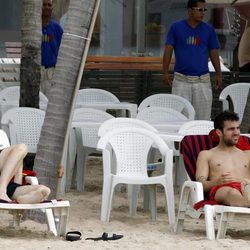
140	27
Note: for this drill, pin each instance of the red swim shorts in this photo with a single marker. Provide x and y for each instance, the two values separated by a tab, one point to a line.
236	185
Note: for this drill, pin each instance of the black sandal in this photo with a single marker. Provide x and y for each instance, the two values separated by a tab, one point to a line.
106	237
73	236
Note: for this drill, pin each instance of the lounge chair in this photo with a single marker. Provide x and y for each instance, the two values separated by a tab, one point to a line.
192	191
56	211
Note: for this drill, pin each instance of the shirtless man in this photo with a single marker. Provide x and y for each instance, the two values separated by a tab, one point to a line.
11	165
224	170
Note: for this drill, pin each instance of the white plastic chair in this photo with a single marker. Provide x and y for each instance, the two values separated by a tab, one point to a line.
131	147
57	225
9	98
196	127
24	126
93	95
169	101
164	119
238	93
104	100
4	140
122	122
87	122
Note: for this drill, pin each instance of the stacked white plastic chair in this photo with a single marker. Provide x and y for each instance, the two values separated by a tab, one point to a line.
23	125
169	101
104	100
196	127
164	119
238	93
131	147
87	123
9	98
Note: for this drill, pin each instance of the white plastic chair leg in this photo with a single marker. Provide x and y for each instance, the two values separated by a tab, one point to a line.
209	220
110	201
133	191
152	201
222	227
169	192
62	215
82	157
105	199
51	221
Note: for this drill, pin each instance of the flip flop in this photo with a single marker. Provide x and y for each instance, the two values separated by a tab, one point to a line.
73	236
106	237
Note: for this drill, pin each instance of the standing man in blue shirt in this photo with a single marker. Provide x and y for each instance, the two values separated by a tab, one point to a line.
193	42
51	40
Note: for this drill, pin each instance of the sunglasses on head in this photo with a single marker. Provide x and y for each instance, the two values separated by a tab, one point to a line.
199	9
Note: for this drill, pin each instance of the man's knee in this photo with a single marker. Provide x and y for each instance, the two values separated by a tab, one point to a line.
228	197
44	190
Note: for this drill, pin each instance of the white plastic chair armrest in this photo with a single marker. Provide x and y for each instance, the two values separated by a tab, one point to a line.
225	105
196	190
31	180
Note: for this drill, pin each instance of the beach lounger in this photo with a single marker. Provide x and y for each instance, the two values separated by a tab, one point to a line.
56	211
192	191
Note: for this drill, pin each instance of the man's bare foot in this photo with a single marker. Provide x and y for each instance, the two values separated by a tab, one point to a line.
245	189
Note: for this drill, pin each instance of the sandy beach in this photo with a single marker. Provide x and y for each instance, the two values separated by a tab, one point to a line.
139	232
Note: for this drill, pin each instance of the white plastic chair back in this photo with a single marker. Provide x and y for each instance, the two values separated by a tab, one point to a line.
24	126
93	95
238	93
12	95
90	120
160	115
196	127
169	101
90	115
122	122
4	140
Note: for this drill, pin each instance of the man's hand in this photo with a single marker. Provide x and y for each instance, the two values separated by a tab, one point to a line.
218	81
60	171
167	79
226	178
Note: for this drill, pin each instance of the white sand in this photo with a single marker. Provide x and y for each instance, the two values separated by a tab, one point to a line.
139	232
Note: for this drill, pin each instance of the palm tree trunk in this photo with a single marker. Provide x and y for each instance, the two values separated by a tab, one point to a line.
245	124
31	55
54	131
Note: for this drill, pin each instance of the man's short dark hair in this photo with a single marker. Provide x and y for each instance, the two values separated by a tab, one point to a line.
193	3
224	116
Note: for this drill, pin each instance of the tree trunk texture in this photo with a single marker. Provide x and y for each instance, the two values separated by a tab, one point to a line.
50	147
245	124
31	54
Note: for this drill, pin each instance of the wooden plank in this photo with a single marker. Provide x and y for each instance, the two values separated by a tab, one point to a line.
124	59
13	50
12	44
125	63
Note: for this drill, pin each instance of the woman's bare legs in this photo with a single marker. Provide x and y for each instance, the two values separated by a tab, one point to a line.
11	165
